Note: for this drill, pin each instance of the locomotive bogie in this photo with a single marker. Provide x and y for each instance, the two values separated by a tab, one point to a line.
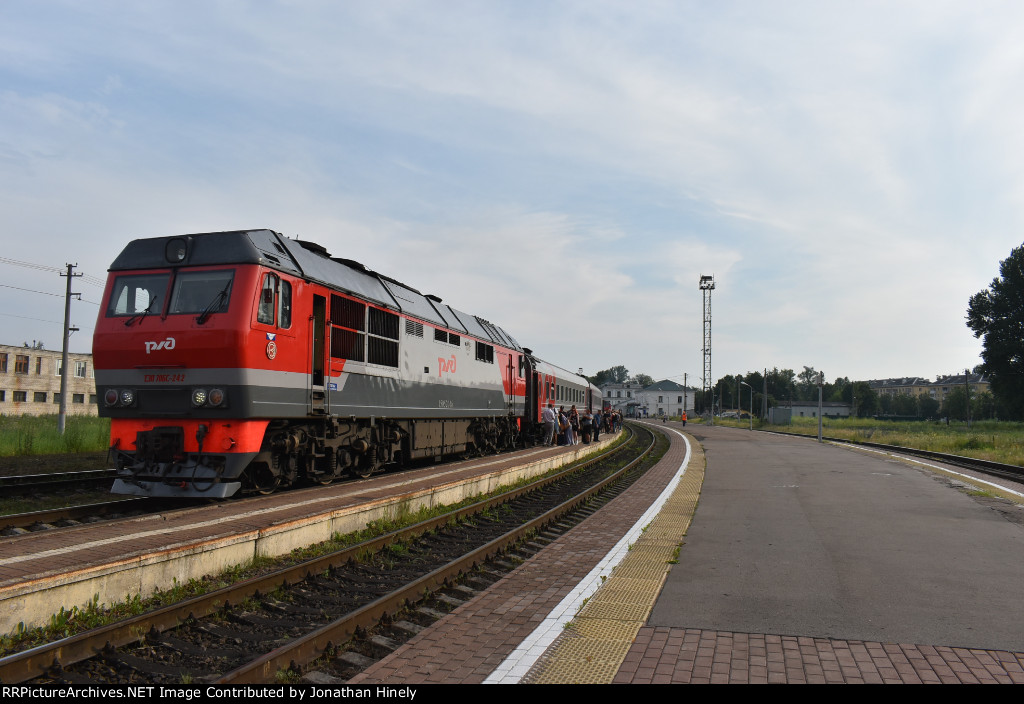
188	458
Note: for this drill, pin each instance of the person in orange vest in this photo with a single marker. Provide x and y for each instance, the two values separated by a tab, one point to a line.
684	419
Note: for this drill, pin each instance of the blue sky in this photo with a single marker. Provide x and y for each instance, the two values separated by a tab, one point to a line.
849	172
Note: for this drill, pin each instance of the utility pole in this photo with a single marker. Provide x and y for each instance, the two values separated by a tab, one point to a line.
821	383
764	397
64	355
707	285
967	389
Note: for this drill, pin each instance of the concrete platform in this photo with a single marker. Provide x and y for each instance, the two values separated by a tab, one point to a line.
805	563
810	539
40	573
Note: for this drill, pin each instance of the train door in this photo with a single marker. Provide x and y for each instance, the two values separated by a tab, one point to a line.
317	387
511	371
532	395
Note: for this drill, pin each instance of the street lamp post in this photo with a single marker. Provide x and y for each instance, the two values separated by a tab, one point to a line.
751	403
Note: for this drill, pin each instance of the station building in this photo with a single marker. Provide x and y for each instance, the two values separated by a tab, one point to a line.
30	382
664	397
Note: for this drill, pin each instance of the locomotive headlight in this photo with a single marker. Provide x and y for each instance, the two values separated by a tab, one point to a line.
127	397
199	397
176	250
110	397
216	397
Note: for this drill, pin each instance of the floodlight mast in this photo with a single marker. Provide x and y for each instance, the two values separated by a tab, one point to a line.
707	285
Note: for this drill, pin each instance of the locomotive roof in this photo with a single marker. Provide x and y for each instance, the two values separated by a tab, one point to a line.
310	261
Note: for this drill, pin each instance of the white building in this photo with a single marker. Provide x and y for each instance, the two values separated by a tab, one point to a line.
664	397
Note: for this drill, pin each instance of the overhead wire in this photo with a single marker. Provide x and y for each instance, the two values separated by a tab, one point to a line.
92	280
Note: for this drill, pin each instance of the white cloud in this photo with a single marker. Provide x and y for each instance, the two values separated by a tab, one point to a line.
848	172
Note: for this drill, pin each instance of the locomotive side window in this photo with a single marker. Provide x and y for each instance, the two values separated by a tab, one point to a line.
448	337
137	294
284	306
275	297
484	352
265	314
201	291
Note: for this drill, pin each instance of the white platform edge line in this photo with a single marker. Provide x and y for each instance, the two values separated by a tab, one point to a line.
514	667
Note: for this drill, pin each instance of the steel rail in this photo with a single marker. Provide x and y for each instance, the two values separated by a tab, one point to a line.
1009	471
75	513
308	648
35	662
20	484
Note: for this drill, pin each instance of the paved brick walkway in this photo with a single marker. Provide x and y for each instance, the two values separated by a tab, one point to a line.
685	655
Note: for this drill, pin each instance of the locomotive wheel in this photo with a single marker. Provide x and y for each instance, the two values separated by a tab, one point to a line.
362	467
262	478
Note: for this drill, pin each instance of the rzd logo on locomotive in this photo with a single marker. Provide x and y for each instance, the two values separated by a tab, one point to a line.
167	344
445	365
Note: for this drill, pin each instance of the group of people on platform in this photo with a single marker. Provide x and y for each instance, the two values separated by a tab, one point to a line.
571	427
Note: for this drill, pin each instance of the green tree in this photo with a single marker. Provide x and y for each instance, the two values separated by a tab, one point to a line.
616	375
954	405
782	385
756	381
866	399
927	407
643	380
885	404
904	405
841	390
997	315
807	385
983	406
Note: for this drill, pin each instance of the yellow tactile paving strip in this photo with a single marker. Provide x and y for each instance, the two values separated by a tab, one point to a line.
596	641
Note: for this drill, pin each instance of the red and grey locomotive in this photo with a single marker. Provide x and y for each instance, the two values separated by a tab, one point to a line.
245	361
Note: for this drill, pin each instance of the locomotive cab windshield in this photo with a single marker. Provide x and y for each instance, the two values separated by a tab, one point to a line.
202	292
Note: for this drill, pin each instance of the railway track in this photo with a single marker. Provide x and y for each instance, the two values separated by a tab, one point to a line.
995	469
306	612
67	482
73	516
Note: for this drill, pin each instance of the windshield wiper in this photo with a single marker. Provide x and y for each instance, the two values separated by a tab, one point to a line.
217	301
141	315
